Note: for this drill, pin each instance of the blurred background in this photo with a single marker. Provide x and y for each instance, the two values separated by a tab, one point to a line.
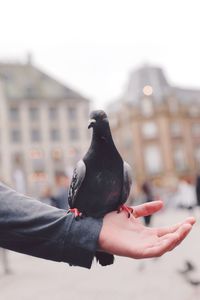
137	60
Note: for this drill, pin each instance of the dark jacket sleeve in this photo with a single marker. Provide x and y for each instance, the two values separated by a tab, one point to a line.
31	227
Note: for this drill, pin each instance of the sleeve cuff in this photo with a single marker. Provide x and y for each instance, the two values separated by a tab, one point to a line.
82	242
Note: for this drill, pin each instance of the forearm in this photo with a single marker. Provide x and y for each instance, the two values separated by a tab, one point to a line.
31	227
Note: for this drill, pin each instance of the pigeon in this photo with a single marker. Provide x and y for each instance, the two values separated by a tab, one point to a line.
189	266
193	282
101	181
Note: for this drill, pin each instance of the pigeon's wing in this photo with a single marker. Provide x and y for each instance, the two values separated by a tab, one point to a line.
127	181
77	179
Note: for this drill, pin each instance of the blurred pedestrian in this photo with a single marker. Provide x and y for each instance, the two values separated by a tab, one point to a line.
47	195
148	197
186	196
19	181
198	189
60	199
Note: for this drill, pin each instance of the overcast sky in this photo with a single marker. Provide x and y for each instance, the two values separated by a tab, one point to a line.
92	45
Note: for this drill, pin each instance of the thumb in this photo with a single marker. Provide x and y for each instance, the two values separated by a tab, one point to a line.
147	208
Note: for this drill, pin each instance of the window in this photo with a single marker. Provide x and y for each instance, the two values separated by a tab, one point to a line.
53	113
152	159
57	160
7	76
175	129
74	153
37	159
15	136
34	113
149	130
196	130
17	159
197	155
179	158
55	135
35	135
56	154
173	105
36	153
31	92
72	113
14	114
38	165
147	107
194	110
38	176
73	134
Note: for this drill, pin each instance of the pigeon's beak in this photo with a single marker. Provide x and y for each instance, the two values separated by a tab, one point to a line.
91	123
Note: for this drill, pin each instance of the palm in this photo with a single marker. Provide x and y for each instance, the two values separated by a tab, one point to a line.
129	237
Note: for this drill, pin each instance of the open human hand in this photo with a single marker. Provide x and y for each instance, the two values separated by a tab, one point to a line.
129	237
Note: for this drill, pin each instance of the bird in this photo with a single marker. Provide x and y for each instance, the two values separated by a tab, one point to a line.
189	266
186	273
193	282
101	180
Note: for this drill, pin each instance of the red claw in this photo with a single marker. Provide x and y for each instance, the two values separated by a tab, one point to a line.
76	212
129	210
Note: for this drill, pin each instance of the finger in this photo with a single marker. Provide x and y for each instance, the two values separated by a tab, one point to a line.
165	230
168	243
190	220
157	250
170	229
179	235
147	208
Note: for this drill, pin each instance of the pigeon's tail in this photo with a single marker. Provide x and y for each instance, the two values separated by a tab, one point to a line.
104	259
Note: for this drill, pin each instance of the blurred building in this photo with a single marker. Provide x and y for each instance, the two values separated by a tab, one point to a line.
157	126
42	126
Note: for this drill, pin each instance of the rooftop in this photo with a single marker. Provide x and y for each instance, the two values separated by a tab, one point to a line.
25	81
153	78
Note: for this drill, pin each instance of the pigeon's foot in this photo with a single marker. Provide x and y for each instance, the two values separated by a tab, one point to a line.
76	212
129	210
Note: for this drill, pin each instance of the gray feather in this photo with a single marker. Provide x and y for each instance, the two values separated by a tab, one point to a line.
77	179
127	181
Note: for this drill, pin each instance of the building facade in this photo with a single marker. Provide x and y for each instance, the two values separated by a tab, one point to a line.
157	126
43	127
